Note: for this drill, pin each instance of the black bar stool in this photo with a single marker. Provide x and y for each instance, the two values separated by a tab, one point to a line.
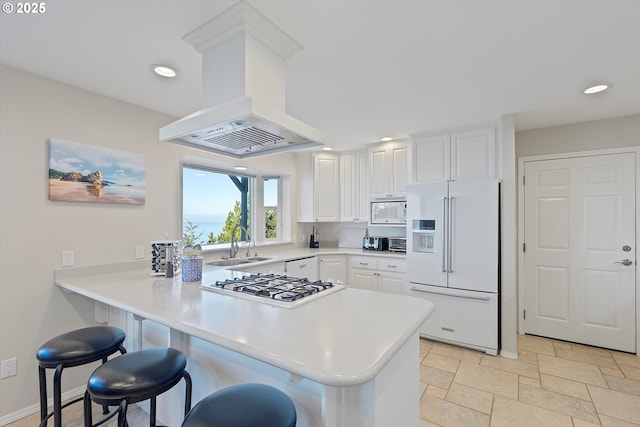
134	377
70	349
243	405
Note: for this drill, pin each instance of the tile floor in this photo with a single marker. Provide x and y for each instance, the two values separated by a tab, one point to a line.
553	383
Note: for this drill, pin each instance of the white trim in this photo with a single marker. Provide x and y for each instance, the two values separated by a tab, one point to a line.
509	355
35	408
521	165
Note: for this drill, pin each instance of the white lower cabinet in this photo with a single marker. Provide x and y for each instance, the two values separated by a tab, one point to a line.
464	318
333	268
376	274
302	268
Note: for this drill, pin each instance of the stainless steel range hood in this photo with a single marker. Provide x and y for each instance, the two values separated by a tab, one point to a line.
243	70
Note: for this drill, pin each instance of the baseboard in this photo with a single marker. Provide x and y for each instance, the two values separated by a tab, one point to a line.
509	354
32	409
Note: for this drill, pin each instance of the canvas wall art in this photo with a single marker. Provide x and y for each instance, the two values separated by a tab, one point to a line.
85	173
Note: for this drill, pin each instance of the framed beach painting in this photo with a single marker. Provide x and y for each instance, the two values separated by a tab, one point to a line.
86	173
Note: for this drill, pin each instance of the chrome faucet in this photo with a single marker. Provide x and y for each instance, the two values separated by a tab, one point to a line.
233	250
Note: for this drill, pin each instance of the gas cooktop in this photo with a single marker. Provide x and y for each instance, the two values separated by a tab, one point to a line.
276	289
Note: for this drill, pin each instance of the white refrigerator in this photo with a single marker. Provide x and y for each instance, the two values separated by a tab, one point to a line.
453	259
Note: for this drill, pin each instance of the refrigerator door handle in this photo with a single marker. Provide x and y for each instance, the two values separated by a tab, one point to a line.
450	236
444	234
479	298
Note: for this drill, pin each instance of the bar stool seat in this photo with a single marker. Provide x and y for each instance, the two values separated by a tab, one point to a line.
243	405
73	348
134	377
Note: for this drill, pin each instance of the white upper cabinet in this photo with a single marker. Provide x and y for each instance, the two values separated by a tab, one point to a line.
458	156
389	169
318	191
354	187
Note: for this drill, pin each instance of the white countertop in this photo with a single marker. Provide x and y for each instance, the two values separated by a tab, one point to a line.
341	339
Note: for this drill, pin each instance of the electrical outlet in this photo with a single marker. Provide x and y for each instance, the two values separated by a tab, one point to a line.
139	252
67	258
9	367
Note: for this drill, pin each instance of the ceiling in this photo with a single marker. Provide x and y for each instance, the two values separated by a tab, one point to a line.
369	68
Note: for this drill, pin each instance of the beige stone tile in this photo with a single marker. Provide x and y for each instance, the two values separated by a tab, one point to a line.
557	402
572	370
631	373
560	344
607	421
439	361
624	385
434	391
488	379
510	365
510	413
565	386
457	352
425	423
530	381
580	423
589	349
626	359
615	404
423	388
586	357
425	347
436	377
536	345
450	414
529	357
470	397
615	372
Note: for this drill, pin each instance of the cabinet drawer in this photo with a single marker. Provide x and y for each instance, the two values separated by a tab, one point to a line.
460	317
399	265
368	263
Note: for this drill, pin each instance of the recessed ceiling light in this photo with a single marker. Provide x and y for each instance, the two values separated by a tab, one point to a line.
164	70
386	139
327	148
240	168
596	88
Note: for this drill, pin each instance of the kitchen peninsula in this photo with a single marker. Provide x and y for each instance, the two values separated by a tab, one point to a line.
346	359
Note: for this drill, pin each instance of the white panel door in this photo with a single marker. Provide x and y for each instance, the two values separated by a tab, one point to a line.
580	261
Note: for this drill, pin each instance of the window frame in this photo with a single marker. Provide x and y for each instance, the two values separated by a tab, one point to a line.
256	205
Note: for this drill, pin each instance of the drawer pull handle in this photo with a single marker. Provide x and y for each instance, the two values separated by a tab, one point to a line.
364	263
447	329
392	266
450	295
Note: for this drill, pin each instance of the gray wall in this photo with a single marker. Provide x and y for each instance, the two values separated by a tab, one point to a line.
595	135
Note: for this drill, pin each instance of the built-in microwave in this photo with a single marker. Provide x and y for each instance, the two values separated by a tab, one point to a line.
388	212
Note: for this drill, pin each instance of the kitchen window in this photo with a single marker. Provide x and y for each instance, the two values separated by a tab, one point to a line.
214	201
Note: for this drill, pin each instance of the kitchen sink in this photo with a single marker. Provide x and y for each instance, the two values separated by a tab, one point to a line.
237	261
258	258
228	262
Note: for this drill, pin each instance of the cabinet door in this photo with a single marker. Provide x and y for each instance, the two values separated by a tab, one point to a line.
326	198
378	172
348	187
398	170
391	282
363	279
473	154
333	268
431	159
361	207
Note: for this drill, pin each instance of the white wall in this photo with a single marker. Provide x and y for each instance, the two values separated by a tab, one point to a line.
34	231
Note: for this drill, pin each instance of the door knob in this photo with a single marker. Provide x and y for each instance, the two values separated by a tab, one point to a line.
624	262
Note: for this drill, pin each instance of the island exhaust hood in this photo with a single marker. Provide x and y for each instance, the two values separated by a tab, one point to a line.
243	70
